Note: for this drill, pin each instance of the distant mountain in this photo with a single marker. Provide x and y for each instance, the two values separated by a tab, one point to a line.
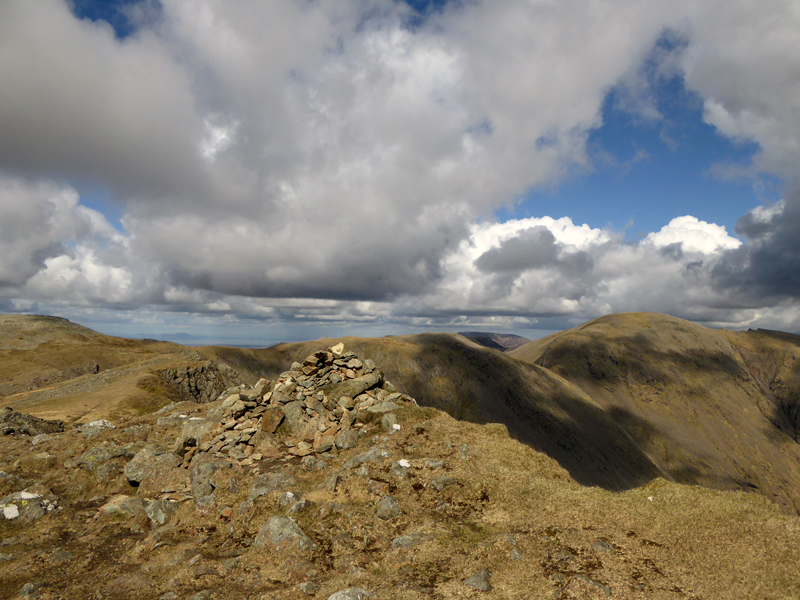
499	341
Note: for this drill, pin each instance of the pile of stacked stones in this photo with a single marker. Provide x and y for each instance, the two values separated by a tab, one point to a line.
312	408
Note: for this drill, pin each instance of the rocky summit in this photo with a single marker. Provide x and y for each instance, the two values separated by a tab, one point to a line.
313	476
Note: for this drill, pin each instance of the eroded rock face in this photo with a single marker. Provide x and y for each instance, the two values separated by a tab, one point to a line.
204	382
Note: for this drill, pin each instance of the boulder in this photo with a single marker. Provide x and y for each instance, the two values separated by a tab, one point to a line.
126	506
282	533
353	387
146	463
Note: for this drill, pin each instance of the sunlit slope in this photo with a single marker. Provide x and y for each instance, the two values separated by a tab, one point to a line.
54	368
715	408
482	385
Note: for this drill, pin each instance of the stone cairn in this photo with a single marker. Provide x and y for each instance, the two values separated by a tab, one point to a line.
314	408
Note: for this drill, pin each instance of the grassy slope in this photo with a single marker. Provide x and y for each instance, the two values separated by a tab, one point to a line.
60	370
709	407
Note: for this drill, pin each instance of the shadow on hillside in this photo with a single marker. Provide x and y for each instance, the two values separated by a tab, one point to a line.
539	410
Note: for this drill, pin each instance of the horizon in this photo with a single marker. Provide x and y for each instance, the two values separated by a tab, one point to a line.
289	171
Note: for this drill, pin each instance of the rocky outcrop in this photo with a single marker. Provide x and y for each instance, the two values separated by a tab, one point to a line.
17	423
203	382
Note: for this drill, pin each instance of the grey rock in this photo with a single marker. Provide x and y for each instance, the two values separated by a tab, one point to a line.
159	511
410	540
108	471
383	407
282	533
4	557
480	581
353	387
296	417
464	451
27	506
126	506
376	454
309	588
203	382
192	432
363	471
300	506
432	464
58	556
439	483
17	423
202	595
31	590
388	508
201	475
147	462
330	483
388	421
42	438
98	455
352	593
288	498
347	439
270	482
93	428
169	596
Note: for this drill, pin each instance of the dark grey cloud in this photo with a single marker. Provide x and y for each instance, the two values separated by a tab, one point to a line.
531	249
768	266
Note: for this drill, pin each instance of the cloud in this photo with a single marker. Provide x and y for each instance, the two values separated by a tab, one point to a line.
340	161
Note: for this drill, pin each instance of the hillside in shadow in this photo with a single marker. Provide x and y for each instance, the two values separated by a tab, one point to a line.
713	408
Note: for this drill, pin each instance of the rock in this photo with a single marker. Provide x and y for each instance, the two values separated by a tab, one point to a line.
346	402
31	590
42	438
271	419
194	432
203	487
410	540
282	533
347	439
352	593
439	483
98	455
300	506
146	462
27	506
337	349
93	428
270	482
480	581
353	387
375	454
309	588
17	423
383	407
388	421
159	511
203	382
296	417
123	505
388	508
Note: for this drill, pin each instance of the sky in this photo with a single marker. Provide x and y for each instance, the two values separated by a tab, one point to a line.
253	172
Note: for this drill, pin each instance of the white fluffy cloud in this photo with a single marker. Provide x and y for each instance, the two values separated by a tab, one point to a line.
332	161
